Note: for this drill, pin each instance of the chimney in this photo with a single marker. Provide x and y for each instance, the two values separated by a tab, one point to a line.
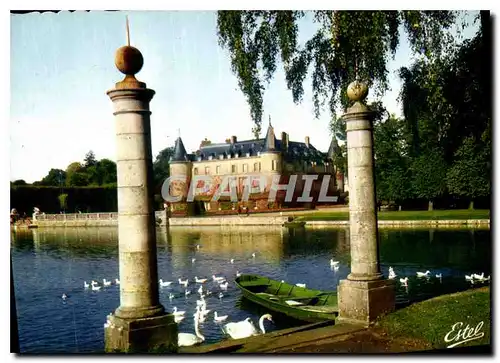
284	140
233	139
307	141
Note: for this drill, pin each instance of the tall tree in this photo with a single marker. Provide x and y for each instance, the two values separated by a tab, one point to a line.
161	166
55	177
90	159
346	45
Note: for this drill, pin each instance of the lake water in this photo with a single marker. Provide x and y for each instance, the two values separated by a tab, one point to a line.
50	262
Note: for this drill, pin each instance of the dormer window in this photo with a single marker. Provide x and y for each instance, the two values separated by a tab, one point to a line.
221	156
248	154
210	157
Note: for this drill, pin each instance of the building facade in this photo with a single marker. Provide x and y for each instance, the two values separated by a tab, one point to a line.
268	159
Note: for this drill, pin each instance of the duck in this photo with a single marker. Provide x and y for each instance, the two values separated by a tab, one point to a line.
96	288
423	274
86	285
219	319
469	277
193	260
221	295
218	279
197	247
187	339
187	292
392	274
238	274
183	282
224	285
165	283
178	318
171	296
438	276
105	282
199	281
117	282
246	328
253	255
94	282
176	312
404	281
232	260
64	296
301	285
200	290
333	263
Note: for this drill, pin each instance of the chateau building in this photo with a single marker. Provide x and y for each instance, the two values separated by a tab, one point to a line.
266	157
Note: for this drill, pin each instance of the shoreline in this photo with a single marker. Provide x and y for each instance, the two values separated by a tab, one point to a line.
266	221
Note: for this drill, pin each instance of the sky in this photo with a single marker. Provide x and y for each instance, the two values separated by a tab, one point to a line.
61	66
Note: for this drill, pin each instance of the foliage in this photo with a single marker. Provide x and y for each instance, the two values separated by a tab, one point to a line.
55	177
63	198
161	167
429	175
346	45
205	142
85	199
392	175
469	176
90	159
19	182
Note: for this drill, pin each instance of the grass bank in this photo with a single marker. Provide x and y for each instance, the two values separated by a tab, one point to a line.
432	320
403	215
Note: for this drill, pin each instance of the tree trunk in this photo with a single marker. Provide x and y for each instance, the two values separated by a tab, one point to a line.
431	205
471	204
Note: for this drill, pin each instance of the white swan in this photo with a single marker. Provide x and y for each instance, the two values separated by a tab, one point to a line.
183	282
253	255
178	318
333	263
478	277
200	290
301	285
187	339
246	328
96	288
218	279
422	274
85	285
106	283
64	296
224	285
171	296
187	292
404	281
200	281
177	313
232	260
238	274
469	278
219	319
165	283
193	260
439	276
117	282
221	295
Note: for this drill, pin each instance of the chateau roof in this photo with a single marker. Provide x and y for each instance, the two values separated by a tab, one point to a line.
180	153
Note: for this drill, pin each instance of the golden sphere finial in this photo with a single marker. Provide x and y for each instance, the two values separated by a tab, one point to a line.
357	91
129	60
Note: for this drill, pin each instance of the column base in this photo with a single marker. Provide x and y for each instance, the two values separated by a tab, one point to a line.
157	334
361	302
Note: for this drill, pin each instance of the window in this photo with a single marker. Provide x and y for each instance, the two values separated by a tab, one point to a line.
207	170
245	168
217	170
233	168
195	171
256	167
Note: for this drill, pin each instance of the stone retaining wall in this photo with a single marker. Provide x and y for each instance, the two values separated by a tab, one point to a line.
111	219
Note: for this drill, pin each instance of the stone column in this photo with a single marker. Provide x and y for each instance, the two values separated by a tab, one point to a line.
140	323
365	294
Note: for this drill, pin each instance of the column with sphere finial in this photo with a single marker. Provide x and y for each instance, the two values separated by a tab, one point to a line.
140	323
365	294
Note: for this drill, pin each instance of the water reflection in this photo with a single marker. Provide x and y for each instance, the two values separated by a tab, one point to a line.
49	262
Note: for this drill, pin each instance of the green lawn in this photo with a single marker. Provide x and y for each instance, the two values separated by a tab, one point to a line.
403	215
433	319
